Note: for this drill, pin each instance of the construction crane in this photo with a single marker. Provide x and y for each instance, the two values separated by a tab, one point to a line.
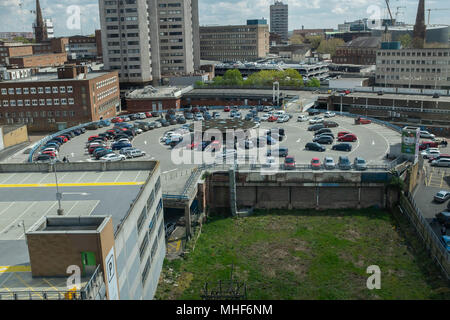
390	12
429	12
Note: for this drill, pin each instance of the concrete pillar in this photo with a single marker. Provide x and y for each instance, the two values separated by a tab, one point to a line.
359	197
290	199
317	198
187	218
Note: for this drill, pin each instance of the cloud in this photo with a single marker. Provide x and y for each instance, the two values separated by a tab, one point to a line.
16	15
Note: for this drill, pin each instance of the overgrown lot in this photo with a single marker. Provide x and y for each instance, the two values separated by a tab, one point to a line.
306	255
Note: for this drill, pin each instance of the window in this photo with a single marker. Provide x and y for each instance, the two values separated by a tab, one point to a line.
71	101
62	89
55	89
151	200
27	103
34	102
48	90
141	219
42	102
12	103
69	89
49	102
143	246
56	102
33	90
26	91
18	90
11	91
20	103
145	271
40	90
5	103
4	91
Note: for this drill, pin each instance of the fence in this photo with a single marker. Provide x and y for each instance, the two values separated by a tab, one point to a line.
429	237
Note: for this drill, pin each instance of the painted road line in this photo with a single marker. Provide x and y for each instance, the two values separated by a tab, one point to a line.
93	184
26	285
13	269
50	284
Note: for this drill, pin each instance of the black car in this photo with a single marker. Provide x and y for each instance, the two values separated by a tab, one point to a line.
280	152
324	139
155	114
164	123
316	127
321	131
330	124
313	112
181	120
314	146
102	153
342	147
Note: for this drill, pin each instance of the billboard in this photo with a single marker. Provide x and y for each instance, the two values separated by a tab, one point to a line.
410	141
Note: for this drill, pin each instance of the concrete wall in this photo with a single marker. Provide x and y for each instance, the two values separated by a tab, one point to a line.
15	137
295	190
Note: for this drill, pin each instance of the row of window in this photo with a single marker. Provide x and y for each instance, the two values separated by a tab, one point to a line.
423	70
106	82
426	62
36	114
106	93
401	53
39	90
34	102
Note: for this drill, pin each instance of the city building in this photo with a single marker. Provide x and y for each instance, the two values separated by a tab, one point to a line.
311	32
10	49
413	68
115	237
13	35
279	19
12	135
144	39
347	36
294	52
85	47
235	43
55	101
39	60
361	51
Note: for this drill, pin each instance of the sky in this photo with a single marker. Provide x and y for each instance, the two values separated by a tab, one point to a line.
16	15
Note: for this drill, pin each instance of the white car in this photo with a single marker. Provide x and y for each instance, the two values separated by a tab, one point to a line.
268	108
425	134
265	117
142	115
302	118
280	113
316	120
139	131
112	157
198	117
431	153
329	114
124	140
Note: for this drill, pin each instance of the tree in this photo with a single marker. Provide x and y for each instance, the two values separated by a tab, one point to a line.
315	41
313	83
296	39
405	40
233	77
329	46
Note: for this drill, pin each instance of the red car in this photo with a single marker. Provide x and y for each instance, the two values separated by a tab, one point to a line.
64	139
272	118
117	120
343	133
227	109
315	163
362	121
50	153
148	114
428	144
92	148
289	163
195	110
94	137
348	138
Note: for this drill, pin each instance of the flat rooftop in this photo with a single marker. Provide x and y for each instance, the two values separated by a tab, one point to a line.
399	96
159	92
46	77
27	196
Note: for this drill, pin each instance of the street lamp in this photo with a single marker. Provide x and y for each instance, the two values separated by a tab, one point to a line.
60	210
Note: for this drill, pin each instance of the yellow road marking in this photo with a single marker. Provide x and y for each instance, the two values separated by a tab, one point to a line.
178	245
52	185
13	269
26	285
51	285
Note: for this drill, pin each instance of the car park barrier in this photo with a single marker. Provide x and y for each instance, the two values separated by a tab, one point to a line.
429	238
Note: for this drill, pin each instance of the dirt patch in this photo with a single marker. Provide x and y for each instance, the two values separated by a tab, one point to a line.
277	257
352	235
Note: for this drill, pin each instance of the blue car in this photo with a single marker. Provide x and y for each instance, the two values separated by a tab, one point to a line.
446	242
121	145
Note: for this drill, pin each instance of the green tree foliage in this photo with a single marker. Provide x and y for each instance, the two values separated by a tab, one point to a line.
405	40
313	83
315	41
329	46
288	77
296	39
22	39
233	78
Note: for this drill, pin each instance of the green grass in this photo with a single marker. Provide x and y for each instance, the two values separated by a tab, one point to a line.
306	255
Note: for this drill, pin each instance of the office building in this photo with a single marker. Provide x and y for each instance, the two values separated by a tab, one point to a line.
361	51
145	39
414	68
85	47
115	237
279	19
47	102
235	43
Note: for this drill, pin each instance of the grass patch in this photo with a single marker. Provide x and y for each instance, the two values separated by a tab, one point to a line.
307	255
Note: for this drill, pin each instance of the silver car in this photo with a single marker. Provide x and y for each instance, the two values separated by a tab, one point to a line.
442	196
329	163
443	162
360	164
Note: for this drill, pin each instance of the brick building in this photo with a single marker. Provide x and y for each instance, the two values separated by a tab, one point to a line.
361	51
39	60
155	99
47	102
13	49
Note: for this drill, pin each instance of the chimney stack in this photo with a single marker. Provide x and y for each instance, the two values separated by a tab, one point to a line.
420	28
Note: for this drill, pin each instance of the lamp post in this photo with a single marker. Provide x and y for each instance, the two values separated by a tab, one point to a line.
60	210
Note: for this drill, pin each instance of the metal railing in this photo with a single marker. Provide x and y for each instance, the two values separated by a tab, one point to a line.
429	238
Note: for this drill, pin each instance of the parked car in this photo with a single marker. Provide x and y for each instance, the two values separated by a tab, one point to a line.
348	138
342	147
121	145
343	133
44	158
445	240
101	153
344	163
443	162
270	163
302	118
112	157
278	152
322	131
316	120
227	109
330	124
316	127
431	153
360	164
329	114
268	108
272	118
314	146
324	139
444	218
313	112
134	153
441	156
426	135
361	120
328	163
428	144
289	163
442	196
315	164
